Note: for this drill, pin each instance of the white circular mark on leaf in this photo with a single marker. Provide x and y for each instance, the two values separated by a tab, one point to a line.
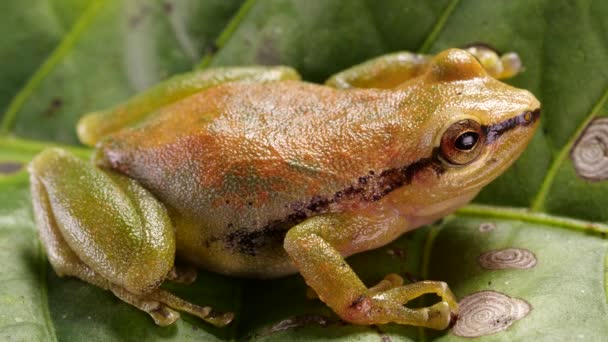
486	227
488	312
590	153
507	258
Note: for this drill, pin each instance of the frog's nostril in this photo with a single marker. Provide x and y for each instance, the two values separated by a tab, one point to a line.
528	117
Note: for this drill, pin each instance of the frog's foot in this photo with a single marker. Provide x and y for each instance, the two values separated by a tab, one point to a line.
182	274
162	305
498	66
380	307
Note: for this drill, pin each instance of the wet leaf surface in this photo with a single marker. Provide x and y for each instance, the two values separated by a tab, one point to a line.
62	58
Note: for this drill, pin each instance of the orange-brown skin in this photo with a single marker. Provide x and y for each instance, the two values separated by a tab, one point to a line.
261	175
231	160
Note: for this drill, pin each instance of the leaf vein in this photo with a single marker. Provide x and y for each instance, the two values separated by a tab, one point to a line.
438	27
49	64
227	33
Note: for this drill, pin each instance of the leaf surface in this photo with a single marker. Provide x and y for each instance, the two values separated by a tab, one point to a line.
62	58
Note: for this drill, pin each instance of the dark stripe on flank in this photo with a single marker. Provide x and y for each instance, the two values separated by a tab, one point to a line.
368	188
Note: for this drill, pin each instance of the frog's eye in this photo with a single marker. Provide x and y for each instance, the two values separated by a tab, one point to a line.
462	142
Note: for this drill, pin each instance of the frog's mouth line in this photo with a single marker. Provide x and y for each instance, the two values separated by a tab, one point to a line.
526	118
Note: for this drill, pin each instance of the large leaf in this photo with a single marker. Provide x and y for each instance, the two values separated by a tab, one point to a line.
65	57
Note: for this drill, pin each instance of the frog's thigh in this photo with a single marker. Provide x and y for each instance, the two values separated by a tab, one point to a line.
107	230
387	71
316	247
94	126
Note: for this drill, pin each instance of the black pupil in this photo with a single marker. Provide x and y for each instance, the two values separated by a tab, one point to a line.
466	141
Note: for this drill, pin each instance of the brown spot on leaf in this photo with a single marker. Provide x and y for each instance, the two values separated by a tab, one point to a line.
267	53
488	312
168	7
486	227
397	252
10	167
297	322
589	154
507	258
54	106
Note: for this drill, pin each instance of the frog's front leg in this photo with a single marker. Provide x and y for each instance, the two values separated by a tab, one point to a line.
94	126
317	247
106	229
391	70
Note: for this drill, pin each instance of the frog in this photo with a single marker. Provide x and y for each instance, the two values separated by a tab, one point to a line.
252	172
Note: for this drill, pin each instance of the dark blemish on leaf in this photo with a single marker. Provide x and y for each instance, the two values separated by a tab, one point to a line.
486	227
136	19
490	283
267	52
295	323
168	7
10	167
507	258
488	312
397	252
55	104
212	49
589	154
383	336
411	277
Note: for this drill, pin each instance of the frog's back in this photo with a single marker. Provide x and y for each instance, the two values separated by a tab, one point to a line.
239	164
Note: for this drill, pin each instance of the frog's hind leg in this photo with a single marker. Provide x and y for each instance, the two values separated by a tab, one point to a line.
92	127
106	229
391	70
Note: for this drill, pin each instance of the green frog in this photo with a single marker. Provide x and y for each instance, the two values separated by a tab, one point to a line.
251	172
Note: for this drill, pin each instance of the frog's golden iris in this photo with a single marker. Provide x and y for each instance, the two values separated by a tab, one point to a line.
462	142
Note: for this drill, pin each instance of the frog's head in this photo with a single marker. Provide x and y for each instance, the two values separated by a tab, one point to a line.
475	128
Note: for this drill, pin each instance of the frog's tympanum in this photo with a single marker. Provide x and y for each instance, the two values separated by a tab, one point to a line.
251	172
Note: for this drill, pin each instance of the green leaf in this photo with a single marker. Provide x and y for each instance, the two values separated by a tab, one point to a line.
62	58
114	48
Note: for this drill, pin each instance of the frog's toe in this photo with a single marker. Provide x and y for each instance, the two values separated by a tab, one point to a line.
182	274
380	307
206	313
